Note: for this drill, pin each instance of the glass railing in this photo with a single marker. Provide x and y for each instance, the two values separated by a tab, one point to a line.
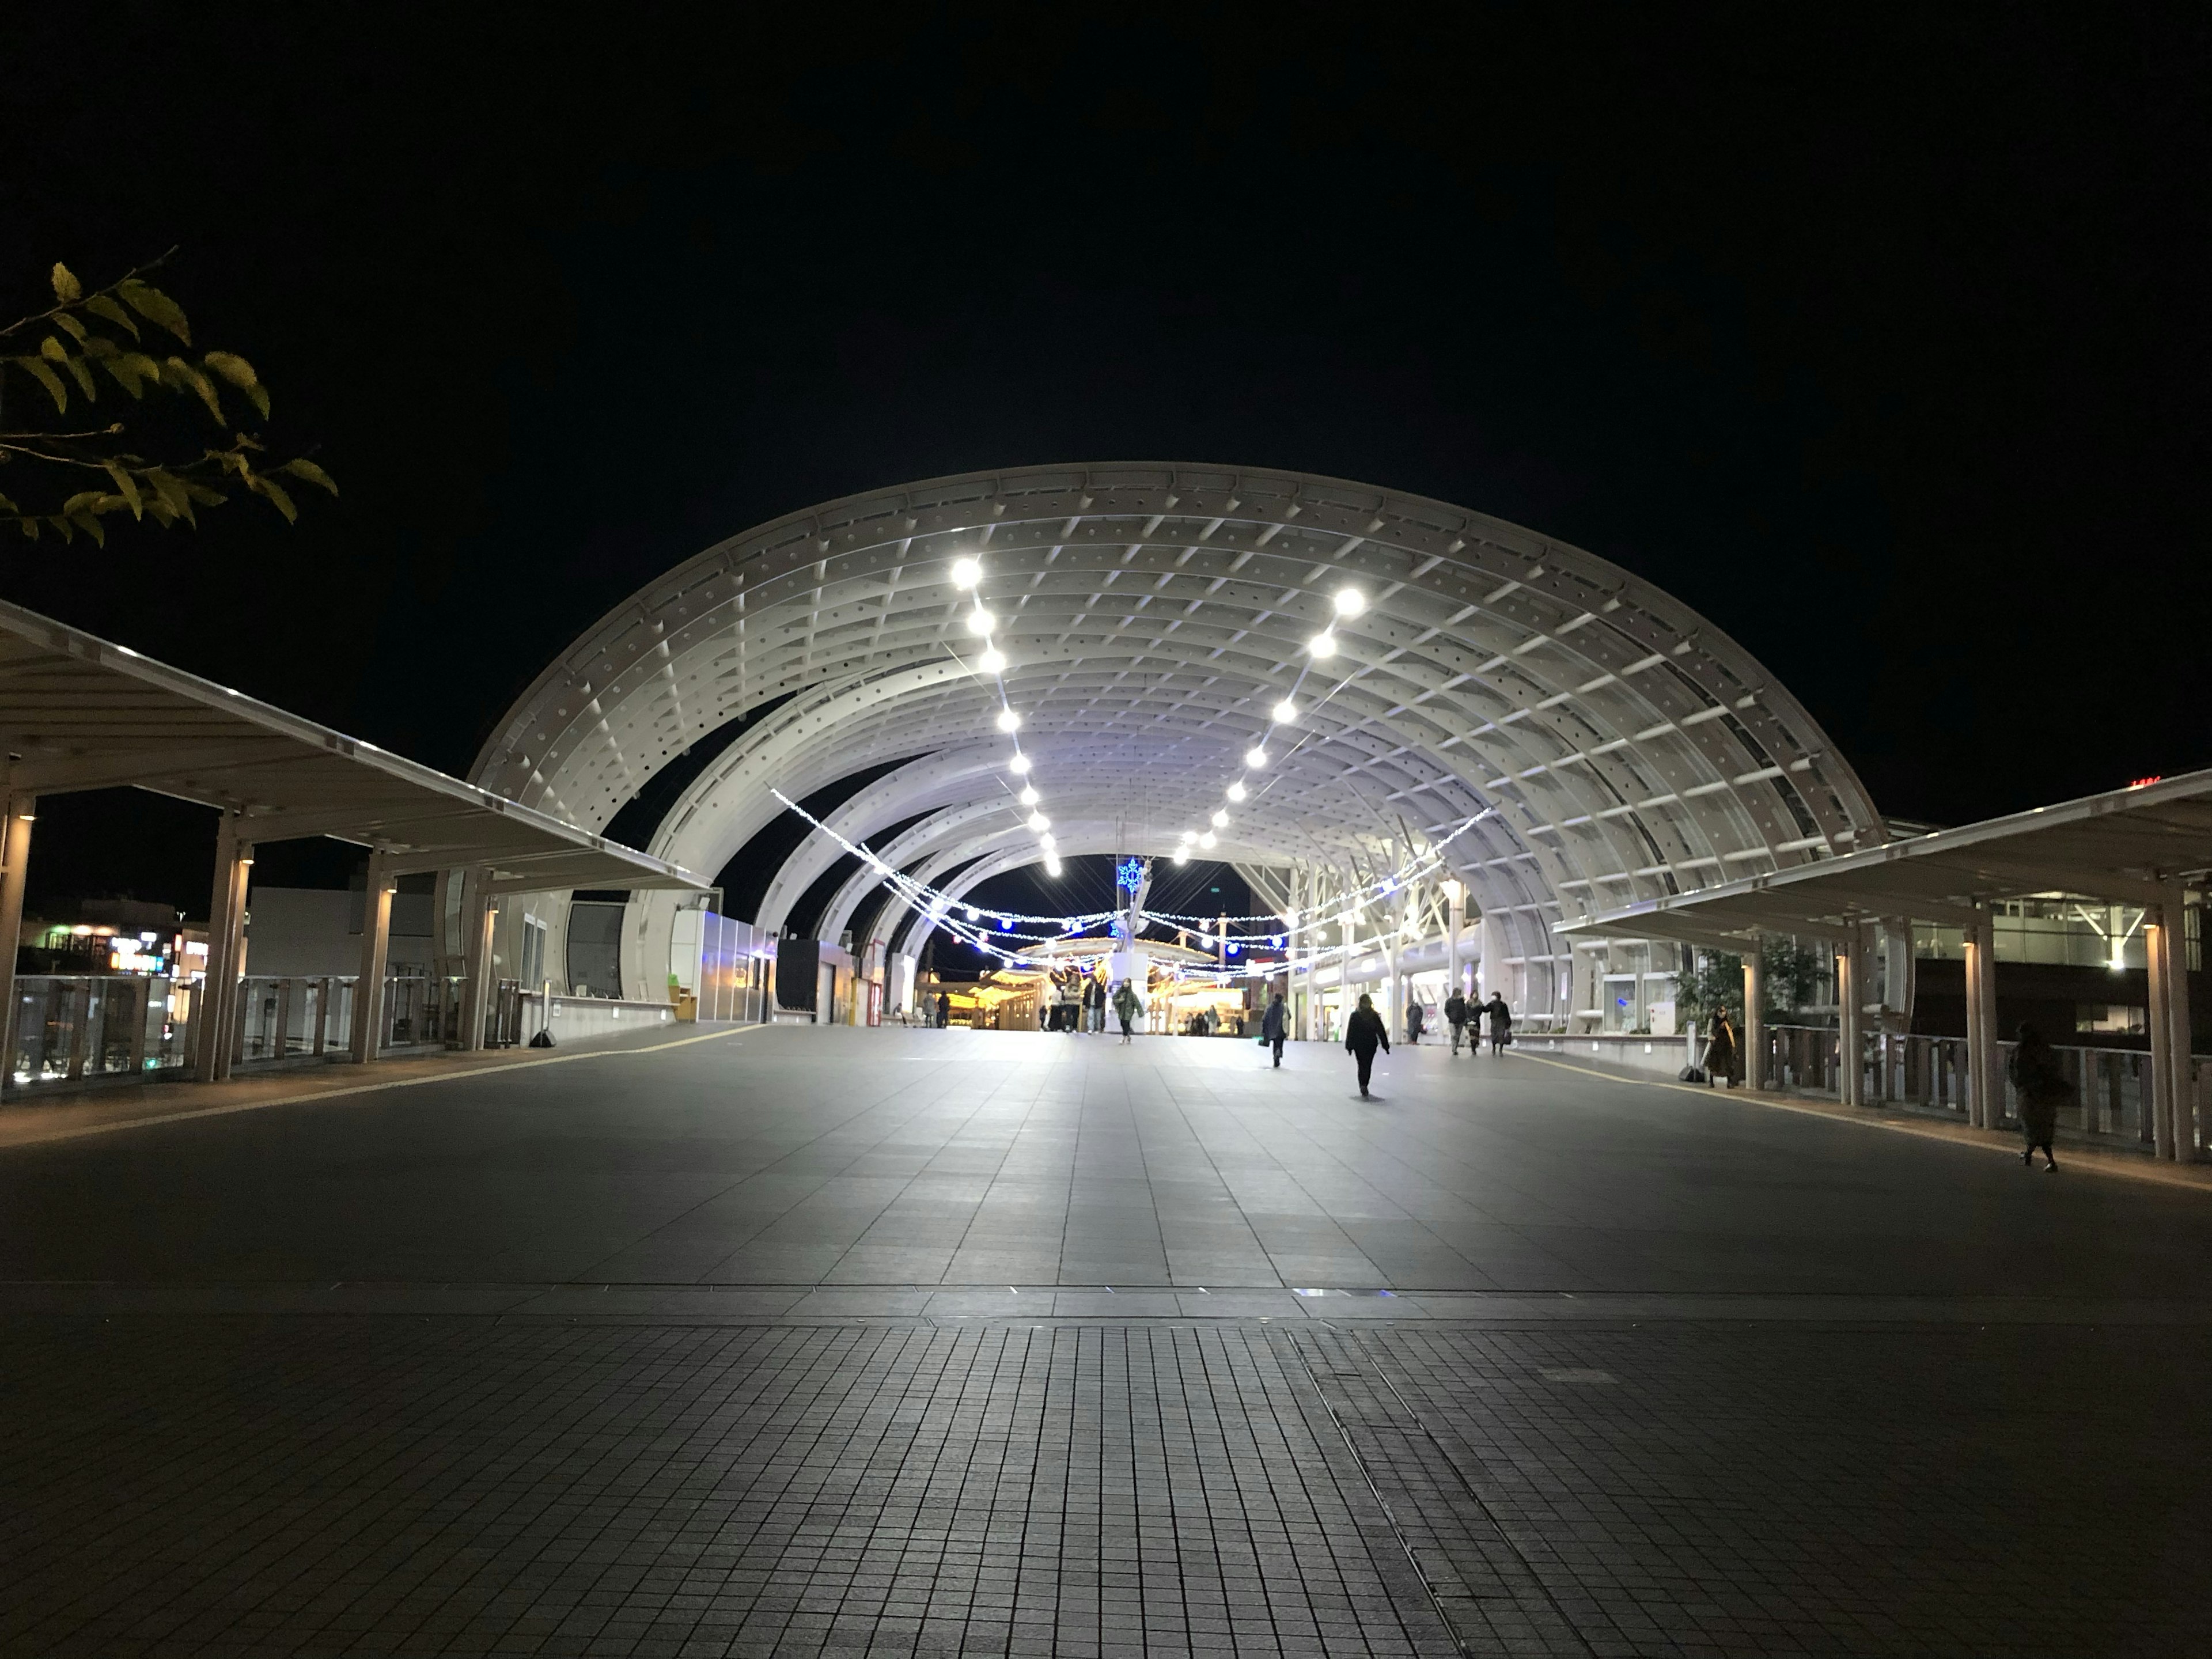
2111	1089
93	1028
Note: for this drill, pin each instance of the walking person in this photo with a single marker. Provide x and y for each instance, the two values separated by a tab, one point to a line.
1274	1025
1456	1017
2043	1090
943	1010
1094	1004
1501	1022
1363	1033
1723	1053
1417	1019
1127	1007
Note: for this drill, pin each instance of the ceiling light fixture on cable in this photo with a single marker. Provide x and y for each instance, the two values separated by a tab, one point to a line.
1039	822
982	622
1255	758
991	662
1009	720
1019	766
1182	855
1322	644
1209	837
1237	791
1221	818
1349	602
1029	795
1285	712
1047	842
966	573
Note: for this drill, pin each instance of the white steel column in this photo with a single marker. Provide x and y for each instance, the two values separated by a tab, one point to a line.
1984	1081
1848	999
1755	1019
215	1018
479	913
375	948
1455	920
2173	1096
14	862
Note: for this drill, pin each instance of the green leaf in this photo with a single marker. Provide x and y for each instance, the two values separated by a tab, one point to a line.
85	500
155	307
181	373
125	372
53	350
7	506
275	492
203	494
62	525
77	331
67	289
39	369
163	513
29	527
81	371
312	473
127	487
170	490
90	525
239	373
100	306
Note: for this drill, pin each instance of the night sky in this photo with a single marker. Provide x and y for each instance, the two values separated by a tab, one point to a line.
1879	338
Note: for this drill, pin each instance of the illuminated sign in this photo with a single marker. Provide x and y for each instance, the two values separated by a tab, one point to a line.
1128	873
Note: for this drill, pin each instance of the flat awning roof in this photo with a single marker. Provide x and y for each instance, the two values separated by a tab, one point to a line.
2119	845
78	712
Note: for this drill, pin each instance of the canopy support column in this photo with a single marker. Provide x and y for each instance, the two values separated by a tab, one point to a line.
14	862
1849	1087
375	949
215	1021
1755	1019
2173	1093
479	913
1984	1076
1455	920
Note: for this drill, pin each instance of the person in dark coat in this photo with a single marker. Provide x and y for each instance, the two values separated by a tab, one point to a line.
1274	1025
1417	1016
943	1011
1455	1016
1362	1033
1722	1052
1501	1022
1127	1007
2043	1090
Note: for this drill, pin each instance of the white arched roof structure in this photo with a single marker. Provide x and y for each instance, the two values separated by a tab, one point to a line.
1152	616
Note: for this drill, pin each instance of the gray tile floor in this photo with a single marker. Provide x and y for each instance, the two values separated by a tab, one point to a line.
836	1341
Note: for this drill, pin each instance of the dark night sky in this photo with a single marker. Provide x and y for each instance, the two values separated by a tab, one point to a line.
1878	336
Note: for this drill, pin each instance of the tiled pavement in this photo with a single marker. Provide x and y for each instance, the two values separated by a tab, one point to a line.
532	1367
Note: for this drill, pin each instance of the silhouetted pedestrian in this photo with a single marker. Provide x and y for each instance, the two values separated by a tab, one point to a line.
1274	1025
1455	1016
1125	1009
943	1010
1722	1052
1362	1033
2043	1090
1501	1022
1417	1016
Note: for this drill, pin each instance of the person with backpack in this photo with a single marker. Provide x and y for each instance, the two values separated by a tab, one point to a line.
1362	1033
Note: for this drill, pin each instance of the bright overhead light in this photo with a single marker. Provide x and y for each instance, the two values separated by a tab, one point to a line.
1208	839
1019	765
982	622
1349	602
1009	720
1285	712
1255	758
1052	866
1182	855
1047	842
974	914
1038	821
966	573
1030	796
991	662
1221	819
1189	836
1322	644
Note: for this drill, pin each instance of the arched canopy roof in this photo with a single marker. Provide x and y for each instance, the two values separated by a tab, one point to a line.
1152	616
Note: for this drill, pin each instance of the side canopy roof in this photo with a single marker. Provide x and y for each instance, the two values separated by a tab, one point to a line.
78	712
2126	845
1612	745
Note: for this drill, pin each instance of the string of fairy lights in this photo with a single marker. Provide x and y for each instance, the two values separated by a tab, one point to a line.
1009	935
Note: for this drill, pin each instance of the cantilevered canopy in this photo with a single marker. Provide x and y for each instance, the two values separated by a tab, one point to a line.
1612	743
79	712
2124	845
